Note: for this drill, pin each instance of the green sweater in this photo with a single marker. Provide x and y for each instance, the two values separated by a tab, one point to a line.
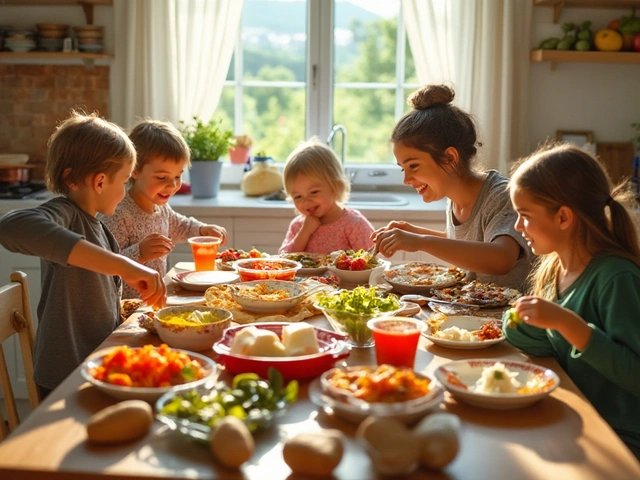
607	371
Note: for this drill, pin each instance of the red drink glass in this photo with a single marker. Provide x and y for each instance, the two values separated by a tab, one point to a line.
205	252
396	340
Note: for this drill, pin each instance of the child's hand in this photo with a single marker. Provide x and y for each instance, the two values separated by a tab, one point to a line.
148	282
214	231
310	224
540	313
154	246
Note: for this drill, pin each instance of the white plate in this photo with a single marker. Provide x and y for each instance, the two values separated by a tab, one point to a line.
469	371
179	300
185	266
308	271
139	393
469	323
200	281
356	414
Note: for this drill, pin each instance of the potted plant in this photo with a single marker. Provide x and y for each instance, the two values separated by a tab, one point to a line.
239	153
207	143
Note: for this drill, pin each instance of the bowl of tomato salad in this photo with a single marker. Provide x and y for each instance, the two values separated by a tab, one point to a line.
266	269
148	372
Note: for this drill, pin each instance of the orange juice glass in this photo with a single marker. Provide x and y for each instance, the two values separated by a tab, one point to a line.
396	340
205	252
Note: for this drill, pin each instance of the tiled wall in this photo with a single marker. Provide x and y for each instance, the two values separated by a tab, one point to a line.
35	98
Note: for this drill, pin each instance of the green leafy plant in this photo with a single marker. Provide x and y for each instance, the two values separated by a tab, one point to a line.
206	141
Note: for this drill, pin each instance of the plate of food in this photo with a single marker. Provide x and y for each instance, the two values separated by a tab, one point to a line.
312	263
485	295
116	371
464	332
270	296
497	384
200	281
422	277
356	392
227	258
356	268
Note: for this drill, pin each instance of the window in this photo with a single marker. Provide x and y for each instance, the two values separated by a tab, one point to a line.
302	66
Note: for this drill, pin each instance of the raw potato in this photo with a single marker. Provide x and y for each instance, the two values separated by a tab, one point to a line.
231	442
122	422
392	448
438	439
316	454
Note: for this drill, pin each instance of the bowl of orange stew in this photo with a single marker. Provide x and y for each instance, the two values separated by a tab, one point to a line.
266	269
356	392
148	372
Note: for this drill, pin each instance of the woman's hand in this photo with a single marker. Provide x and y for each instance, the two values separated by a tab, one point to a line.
214	231
391	241
154	246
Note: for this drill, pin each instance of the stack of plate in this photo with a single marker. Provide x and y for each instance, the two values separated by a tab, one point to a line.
20	41
89	38
51	36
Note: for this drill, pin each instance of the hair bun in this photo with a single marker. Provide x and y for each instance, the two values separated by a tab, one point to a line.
431	95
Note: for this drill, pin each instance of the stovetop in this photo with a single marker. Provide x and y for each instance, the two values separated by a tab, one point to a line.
19	191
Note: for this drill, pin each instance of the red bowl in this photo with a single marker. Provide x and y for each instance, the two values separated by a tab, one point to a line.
333	347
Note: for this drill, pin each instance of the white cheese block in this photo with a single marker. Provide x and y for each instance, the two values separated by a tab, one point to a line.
299	339
257	342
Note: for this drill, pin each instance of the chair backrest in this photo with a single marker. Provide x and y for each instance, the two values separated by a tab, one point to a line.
15	318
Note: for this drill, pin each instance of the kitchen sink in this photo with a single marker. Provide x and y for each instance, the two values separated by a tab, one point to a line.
379	199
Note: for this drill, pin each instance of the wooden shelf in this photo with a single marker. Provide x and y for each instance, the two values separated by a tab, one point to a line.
55	56
87	5
558	5
556	56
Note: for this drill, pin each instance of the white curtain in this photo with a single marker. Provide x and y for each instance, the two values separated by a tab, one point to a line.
481	49
171	57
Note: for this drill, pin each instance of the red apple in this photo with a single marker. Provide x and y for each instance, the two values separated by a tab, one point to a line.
636	42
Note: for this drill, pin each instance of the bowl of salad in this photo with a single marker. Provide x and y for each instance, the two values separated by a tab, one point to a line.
348	311
355	268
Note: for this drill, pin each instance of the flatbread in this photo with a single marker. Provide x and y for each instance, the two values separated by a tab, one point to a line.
478	293
423	275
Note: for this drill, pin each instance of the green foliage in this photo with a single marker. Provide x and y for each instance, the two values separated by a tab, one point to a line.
206	141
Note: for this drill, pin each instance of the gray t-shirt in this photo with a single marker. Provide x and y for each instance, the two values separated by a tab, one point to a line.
130	225
78	308
492	216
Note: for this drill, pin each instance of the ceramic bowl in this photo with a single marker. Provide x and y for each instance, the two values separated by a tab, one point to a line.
332	348
357	277
253	303
187	335
251	269
149	394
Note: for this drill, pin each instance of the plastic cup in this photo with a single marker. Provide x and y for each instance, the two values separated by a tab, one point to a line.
205	252
396	340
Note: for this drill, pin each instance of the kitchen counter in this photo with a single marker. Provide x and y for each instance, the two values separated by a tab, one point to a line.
233	203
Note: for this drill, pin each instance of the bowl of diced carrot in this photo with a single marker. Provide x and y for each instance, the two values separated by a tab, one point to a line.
147	372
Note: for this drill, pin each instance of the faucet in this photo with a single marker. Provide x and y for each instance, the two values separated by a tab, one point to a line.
336	129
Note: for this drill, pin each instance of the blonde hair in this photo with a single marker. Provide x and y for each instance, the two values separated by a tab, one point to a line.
564	175
154	139
434	124
83	145
316	160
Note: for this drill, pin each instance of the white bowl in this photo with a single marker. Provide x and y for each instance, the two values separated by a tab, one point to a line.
459	379
150	394
357	277
407	412
259	305
194	337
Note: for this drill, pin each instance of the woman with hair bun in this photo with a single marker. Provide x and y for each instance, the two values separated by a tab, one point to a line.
435	145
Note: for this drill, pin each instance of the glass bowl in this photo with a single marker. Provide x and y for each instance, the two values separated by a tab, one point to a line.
251	269
354	325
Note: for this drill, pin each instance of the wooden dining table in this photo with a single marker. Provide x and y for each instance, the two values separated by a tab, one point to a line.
562	436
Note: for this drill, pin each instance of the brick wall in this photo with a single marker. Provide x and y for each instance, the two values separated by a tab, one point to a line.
34	98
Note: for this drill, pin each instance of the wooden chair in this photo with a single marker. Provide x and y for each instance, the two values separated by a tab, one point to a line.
15	318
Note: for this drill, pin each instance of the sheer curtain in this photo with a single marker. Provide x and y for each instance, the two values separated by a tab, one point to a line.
481	49
172	57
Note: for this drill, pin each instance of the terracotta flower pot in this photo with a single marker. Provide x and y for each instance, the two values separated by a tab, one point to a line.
239	155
